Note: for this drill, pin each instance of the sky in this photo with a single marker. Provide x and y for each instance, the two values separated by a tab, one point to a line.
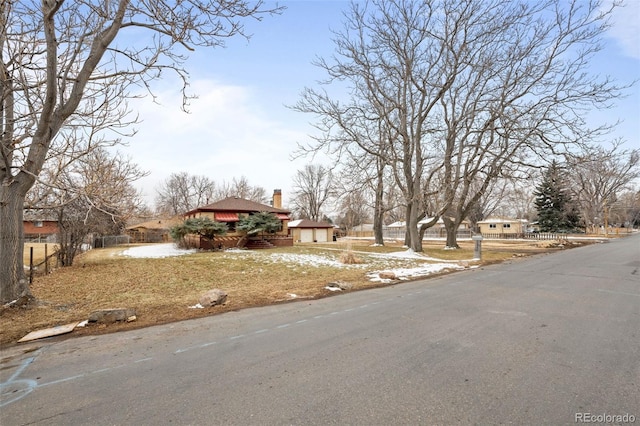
240	124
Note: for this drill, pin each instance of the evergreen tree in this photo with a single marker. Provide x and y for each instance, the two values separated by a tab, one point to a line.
202	226
259	223
556	209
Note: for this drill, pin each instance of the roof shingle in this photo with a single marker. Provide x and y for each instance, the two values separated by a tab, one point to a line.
235	204
306	223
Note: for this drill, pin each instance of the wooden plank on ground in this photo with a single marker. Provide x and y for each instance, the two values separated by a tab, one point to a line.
49	332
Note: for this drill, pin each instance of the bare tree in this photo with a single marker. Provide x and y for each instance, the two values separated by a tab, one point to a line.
626	211
489	203
182	192
397	73
598	176
367	174
521	96
468	91
241	188
64	67
514	198
313	188
355	208
93	195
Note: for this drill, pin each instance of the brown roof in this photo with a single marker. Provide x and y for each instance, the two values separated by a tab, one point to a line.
306	223
234	204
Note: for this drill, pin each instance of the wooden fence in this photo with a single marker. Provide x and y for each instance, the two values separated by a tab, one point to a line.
46	262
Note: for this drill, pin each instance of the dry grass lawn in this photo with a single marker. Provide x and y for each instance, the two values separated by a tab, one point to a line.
162	290
39	251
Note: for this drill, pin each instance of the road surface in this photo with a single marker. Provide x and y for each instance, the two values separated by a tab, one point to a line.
544	340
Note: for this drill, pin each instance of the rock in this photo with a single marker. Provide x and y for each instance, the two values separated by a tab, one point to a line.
213	297
342	285
387	276
24	301
108	316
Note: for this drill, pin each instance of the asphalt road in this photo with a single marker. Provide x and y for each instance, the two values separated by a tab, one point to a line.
542	340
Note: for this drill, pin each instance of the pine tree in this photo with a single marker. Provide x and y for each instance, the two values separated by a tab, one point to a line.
556	209
202	226
259	223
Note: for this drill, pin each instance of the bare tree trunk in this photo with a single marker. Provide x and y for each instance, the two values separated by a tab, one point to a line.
415	242
451	228
378	214
13	282
407	216
378	224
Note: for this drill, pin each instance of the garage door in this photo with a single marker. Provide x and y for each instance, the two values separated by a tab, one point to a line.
306	235
321	235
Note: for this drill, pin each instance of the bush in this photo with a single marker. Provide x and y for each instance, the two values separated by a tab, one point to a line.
201	226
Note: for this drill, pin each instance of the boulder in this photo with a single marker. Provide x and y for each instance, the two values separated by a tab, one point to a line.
387	276
213	297
108	316
342	285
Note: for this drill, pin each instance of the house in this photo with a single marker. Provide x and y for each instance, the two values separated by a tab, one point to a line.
40	226
308	231
501	225
229	211
396	230
152	231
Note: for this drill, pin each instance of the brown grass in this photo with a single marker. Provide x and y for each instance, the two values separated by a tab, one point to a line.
348	257
161	290
38	252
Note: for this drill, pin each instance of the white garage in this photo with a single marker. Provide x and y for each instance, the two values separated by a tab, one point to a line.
306	235
308	231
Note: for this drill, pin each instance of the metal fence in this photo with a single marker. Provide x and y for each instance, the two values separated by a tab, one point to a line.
399	233
525	236
41	238
111	240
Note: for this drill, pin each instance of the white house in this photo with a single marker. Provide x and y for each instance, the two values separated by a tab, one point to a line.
502	225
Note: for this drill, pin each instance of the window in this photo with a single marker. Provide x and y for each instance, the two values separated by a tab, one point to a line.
492	226
506	225
37	223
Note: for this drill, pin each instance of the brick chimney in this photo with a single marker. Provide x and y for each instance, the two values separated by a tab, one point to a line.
277	199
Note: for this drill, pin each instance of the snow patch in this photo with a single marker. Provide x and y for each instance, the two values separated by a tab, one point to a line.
306	259
398	264
156	251
408	273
